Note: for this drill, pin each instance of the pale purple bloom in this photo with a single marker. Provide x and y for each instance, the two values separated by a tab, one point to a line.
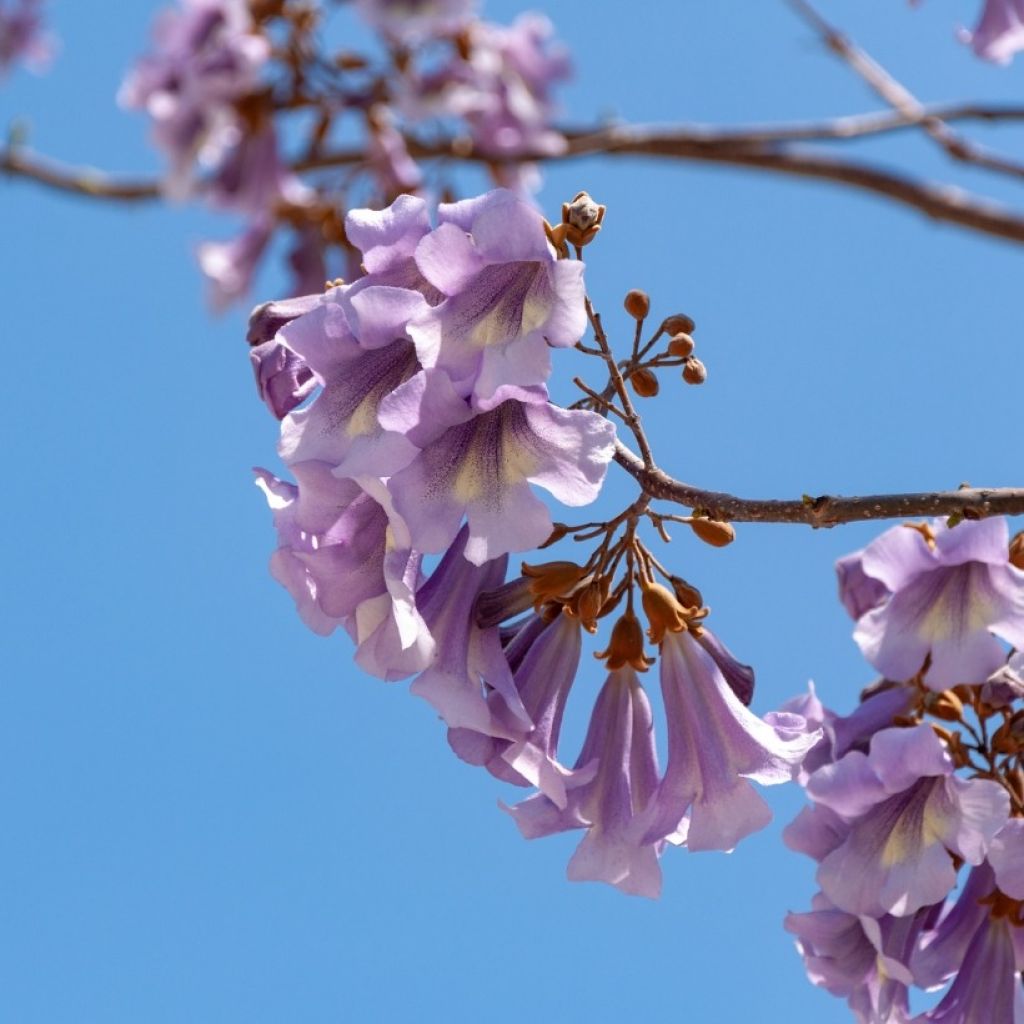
388	238
1006	856
715	745
22	37
945	599
231	266
509	297
482	467
615	777
858	592
861	959
387	156
207	55
908	814
1006	684
816	831
412	22
466	656
999	33
544	663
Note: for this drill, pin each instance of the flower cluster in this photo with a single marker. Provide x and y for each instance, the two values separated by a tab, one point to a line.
900	804
22	37
227	81
415	422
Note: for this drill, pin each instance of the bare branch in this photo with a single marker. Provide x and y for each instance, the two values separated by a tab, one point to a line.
82	181
825	510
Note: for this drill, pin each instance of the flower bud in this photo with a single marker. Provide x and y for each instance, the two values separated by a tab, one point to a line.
644	382
713	532
681	345
637	304
589	602
946	705
694	371
689	596
1017	550
626	646
678	323
663	610
551	580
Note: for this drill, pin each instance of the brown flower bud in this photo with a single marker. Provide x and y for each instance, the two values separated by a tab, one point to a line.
678	323
581	221
946	705
663	610
680	346
689	596
637	304
1017	550
644	382
589	602
627	645
694	371
713	532
551	580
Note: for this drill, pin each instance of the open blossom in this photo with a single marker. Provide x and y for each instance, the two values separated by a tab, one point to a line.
716	746
509	298
614	780
944	593
22	37
482	467
907	815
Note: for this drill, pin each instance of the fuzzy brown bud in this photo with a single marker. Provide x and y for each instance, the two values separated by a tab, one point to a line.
689	596
680	346
589	602
644	382
713	532
1017	550
694	371
626	646
637	304
678	323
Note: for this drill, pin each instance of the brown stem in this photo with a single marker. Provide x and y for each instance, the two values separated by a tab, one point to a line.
825	510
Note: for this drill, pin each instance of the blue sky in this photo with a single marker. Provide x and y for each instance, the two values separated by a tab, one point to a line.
208	813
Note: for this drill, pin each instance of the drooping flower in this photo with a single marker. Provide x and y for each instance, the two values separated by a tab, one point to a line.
614	780
230	266
947	592
907	816
715	747
999	33
508	297
544	662
467	657
482	467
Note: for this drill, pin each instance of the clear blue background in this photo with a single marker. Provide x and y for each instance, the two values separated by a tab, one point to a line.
206	814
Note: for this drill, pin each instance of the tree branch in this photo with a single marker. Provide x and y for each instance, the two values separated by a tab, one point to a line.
825	510
82	181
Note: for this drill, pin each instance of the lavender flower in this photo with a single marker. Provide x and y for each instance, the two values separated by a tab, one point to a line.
231	266
714	746
509	297
947	591
615	778
907	813
412	22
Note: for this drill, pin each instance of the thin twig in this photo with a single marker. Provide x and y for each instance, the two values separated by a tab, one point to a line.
825	510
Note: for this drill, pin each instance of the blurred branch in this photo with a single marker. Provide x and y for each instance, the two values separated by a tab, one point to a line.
825	510
902	100
766	148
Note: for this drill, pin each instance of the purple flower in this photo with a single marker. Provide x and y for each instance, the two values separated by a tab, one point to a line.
715	745
231	266
22	37
509	297
859	958
388	157
482	467
338	558
999	33
544	657
207	56
907	815
615	779
1006	684
412	22
948	592
466	656
1006	856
